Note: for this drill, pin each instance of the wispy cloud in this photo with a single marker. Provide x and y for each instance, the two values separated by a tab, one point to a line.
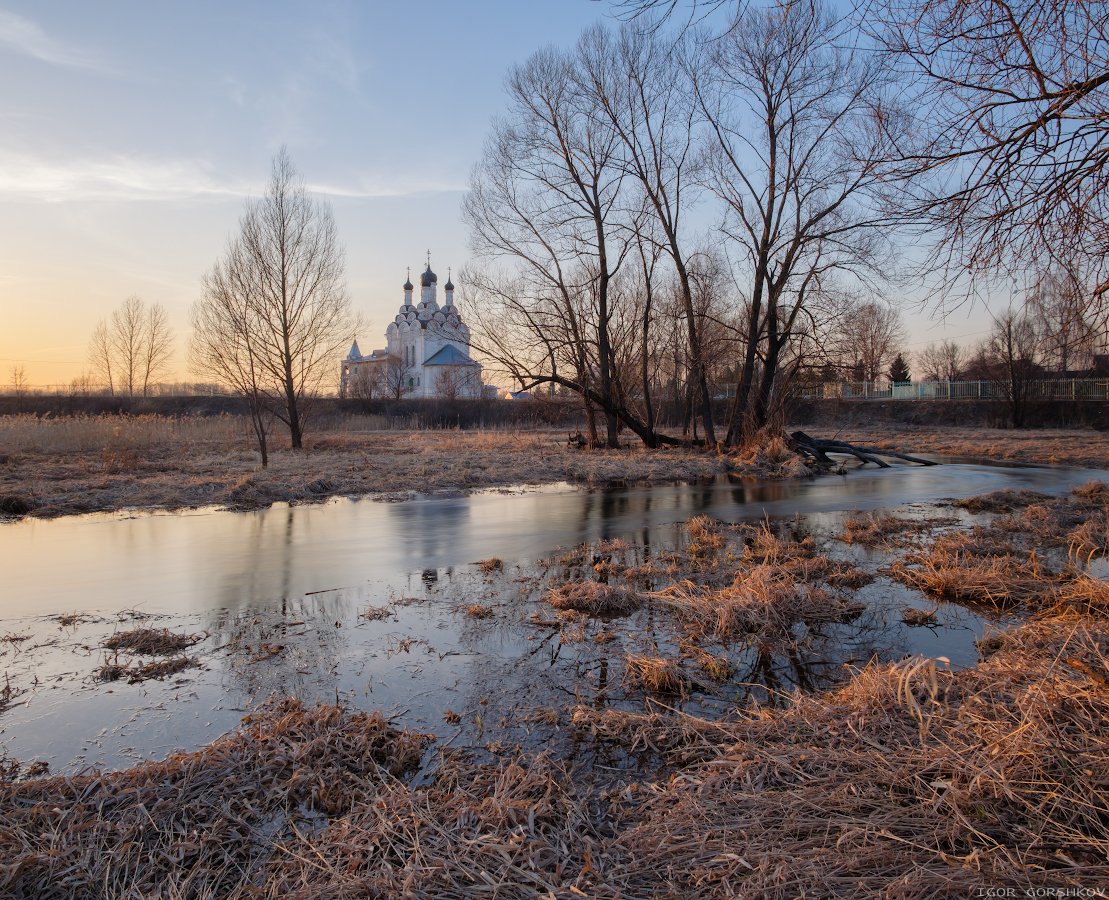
117	178
26	36
29	178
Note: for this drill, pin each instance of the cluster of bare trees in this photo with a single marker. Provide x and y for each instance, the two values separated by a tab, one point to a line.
592	274
131	349
670	212
275	314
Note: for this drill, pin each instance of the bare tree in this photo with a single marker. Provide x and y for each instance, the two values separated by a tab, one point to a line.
802	138
83	385
127	334
457	383
1059	305
639	83
287	303
368	382
545	200
1013	354
397	378
868	337
1012	99
944	362
19	381
132	347
157	346
101	356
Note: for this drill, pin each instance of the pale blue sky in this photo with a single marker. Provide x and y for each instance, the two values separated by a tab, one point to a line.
130	133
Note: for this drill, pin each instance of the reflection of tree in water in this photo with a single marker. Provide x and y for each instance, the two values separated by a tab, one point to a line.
275	643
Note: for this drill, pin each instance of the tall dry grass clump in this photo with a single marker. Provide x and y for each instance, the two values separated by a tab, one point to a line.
767	454
765	600
593	598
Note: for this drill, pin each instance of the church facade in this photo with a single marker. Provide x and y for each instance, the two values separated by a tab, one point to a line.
427	354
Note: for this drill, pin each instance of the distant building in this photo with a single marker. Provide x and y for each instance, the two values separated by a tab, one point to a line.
427	353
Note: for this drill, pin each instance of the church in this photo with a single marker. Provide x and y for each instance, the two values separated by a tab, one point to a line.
427	353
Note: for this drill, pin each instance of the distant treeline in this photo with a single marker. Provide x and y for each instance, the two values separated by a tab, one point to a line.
330	412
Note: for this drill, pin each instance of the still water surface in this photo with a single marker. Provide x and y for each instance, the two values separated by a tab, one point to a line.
282	593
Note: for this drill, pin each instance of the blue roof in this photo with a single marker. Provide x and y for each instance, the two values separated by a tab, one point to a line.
449	355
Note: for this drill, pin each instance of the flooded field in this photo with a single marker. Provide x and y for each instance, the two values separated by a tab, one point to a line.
388	606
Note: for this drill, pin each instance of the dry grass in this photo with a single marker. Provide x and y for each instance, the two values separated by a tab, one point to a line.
163	668
153	641
593	598
1001	566
908	781
916	618
765	600
768	455
490	565
1000	501
477	611
101	463
1046	446
655	674
880	529
199	824
1001	582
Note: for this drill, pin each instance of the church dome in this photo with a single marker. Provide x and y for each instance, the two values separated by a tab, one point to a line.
408	284
449	286
428	278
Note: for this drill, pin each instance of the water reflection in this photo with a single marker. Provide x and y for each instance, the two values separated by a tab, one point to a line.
181	563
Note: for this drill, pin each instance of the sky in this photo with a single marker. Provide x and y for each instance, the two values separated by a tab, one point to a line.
132	133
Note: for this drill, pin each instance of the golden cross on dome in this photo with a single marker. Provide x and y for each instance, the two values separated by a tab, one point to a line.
429	259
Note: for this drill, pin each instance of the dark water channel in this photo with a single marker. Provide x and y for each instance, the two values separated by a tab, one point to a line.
365	601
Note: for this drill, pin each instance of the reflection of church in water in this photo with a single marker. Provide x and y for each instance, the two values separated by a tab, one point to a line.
427	354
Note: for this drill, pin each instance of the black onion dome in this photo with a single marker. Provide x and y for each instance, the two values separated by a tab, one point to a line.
449	286
428	278
408	284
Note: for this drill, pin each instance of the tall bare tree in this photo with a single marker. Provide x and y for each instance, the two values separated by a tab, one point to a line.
101	356
397	377
868	336
289	308
546	200
1012	97
127	336
1059	305
226	342
1013	350
802	136
132	348
639	82
157	345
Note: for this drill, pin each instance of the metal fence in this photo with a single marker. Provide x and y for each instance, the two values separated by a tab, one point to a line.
1089	389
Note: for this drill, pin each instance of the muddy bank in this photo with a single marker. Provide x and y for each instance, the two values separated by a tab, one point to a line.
55	467
60	467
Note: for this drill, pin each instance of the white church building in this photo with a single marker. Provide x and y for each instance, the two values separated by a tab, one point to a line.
427	353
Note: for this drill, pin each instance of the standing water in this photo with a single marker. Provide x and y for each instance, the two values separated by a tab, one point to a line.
365	602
